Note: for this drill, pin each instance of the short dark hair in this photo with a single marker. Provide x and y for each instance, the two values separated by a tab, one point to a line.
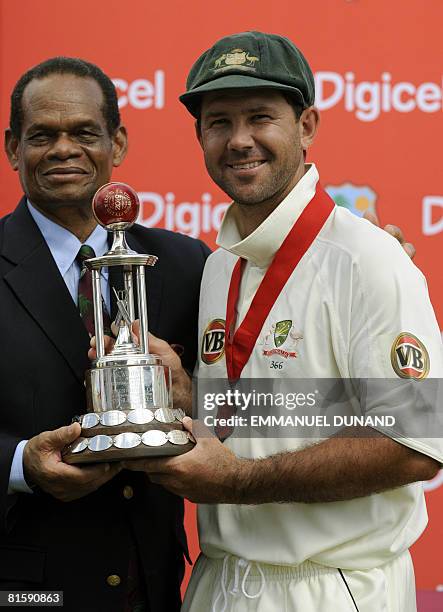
65	65
295	103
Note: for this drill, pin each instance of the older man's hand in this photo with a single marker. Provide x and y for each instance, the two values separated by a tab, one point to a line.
394	231
44	467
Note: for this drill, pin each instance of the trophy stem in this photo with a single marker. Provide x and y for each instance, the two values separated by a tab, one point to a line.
127	274
98	314
119	244
142	308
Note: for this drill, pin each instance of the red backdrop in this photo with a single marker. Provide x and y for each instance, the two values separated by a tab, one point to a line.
378	69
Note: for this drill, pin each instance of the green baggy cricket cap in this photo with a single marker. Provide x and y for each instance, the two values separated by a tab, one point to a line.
250	60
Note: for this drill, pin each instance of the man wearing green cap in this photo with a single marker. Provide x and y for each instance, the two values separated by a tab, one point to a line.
300	289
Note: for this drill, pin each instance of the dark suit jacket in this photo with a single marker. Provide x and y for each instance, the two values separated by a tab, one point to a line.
46	544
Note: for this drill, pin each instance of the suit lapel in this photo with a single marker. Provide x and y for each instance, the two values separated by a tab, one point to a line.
38	285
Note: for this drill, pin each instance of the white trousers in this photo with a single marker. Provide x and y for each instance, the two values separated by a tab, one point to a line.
237	585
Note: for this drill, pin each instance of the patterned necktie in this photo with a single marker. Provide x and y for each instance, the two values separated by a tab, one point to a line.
85	295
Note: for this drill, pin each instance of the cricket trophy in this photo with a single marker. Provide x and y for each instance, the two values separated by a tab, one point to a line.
128	390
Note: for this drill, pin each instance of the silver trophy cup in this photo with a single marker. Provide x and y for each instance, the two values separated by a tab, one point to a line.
128	391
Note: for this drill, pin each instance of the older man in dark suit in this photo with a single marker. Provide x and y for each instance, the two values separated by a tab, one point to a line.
108	538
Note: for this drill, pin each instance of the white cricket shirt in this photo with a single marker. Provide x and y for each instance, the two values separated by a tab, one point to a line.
352	301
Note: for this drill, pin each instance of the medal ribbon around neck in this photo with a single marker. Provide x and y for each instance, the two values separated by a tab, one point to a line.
239	345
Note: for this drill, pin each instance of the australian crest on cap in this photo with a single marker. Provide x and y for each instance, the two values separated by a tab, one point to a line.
236	58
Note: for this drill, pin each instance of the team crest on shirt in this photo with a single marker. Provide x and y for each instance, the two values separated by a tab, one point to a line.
213	342
409	357
281	340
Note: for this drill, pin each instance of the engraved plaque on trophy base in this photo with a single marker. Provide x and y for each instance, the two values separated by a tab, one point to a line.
130	414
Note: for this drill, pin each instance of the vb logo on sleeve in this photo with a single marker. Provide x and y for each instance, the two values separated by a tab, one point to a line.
213	342
409	357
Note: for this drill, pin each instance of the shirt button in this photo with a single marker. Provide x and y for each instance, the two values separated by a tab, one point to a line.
128	492
113	580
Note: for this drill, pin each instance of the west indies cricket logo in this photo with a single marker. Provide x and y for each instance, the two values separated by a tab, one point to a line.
356	198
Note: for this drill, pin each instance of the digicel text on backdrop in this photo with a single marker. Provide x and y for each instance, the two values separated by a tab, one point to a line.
366	99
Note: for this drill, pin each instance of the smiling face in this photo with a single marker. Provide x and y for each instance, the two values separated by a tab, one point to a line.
64	153
253	144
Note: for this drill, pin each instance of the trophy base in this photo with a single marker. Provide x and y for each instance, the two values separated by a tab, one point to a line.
114	436
122	454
